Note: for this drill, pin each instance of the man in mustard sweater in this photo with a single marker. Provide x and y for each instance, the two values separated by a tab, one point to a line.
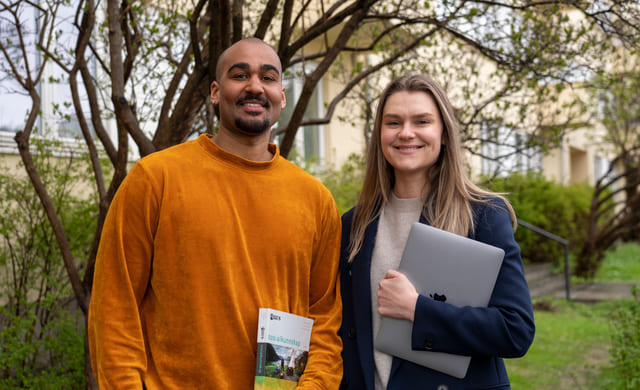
201	235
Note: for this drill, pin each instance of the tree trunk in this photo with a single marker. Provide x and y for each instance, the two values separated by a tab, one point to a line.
90	379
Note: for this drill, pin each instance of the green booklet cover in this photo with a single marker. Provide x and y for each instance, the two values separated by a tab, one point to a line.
283	349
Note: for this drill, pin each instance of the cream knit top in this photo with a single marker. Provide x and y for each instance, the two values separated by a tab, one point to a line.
393	230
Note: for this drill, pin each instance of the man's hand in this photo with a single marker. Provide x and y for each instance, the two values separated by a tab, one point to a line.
397	296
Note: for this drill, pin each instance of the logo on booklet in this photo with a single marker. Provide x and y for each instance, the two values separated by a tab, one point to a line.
438	297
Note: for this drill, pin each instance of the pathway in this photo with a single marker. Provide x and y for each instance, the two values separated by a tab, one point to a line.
542	283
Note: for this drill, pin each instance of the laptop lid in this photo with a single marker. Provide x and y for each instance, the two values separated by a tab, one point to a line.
446	267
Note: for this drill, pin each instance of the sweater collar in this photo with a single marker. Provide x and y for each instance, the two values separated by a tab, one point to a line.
217	152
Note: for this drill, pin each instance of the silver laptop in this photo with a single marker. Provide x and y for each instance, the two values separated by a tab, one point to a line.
446	267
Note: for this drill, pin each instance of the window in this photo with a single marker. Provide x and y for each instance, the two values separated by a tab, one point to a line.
506	150
15	103
603	169
493	25
59	118
309	143
573	72
57	115
14	108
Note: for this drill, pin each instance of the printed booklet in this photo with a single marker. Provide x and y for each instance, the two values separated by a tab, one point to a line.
283	349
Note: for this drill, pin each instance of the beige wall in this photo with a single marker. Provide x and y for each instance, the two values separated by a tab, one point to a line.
572	161
11	163
341	138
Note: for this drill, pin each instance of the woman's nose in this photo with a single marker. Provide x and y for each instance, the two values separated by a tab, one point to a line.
406	131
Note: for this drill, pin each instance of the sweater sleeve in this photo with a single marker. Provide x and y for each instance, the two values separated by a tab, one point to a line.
123	265
324	368
506	327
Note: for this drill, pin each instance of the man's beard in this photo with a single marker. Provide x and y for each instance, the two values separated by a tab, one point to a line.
252	127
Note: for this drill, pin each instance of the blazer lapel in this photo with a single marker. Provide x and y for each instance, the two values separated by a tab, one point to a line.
397	361
361	280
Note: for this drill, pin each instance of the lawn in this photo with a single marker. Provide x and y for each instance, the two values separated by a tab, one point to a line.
571	346
622	264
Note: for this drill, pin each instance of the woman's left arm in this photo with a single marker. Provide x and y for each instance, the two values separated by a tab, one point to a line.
506	327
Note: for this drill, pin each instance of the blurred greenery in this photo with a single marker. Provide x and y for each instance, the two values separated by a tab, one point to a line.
587	346
622	264
41	335
577	345
345	183
556	208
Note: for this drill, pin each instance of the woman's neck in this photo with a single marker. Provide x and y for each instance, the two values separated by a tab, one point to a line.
410	187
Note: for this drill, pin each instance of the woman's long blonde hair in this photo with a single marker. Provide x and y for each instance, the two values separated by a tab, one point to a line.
451	192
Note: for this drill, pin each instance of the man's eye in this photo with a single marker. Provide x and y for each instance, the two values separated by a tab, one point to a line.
239	76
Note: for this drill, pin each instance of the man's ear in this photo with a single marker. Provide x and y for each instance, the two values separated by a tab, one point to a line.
215	93
284	98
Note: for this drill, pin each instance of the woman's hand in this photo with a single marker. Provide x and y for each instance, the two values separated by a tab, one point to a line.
397	296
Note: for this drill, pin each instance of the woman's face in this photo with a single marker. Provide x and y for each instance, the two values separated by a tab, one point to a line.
411	133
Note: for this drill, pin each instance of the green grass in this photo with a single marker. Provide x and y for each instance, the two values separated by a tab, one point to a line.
622	264
571	346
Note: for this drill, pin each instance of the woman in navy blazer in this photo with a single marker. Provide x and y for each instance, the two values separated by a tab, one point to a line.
414	172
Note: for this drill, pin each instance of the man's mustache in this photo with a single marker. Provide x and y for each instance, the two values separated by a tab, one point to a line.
256	98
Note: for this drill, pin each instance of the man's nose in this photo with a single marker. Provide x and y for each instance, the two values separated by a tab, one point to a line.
254	85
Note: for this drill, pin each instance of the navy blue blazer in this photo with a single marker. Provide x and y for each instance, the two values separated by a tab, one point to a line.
504	329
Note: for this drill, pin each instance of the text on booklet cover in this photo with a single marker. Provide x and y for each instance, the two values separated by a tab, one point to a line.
283	349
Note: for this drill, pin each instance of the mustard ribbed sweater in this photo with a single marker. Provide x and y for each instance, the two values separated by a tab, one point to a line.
195	241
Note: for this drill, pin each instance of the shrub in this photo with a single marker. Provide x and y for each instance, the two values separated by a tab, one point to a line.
561	210
41	358
625	350
345	184
553	207
41	339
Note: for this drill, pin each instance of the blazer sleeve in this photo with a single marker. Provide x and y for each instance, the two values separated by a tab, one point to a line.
506	327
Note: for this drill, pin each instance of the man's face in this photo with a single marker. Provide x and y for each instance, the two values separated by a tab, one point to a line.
249	88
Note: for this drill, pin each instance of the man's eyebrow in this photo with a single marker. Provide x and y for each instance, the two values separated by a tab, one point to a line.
241	65
267	67
246	66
